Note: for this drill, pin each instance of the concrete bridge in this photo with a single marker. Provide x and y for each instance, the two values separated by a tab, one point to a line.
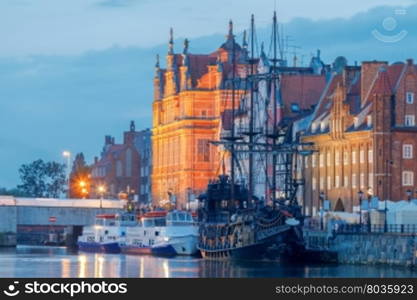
17	214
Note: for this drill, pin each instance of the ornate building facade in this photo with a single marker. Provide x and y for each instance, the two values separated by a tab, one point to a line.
365	134
190	97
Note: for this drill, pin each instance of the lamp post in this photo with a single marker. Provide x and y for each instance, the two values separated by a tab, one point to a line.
321	209
101	190
409	193
360	194
67	155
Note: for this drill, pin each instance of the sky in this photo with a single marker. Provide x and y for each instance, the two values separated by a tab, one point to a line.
72	71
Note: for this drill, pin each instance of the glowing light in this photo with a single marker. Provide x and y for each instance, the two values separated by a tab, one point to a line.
101	188
66	154
82	183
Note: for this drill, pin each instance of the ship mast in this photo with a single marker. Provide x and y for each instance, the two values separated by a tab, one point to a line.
232	149
275	117
251	113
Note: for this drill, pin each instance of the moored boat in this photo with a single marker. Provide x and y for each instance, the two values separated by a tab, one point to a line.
161	233
103	237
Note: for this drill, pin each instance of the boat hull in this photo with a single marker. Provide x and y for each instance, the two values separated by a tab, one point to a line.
136	250
251	252
163	250
185	245
99	247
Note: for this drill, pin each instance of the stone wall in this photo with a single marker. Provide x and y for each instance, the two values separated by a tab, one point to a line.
373	248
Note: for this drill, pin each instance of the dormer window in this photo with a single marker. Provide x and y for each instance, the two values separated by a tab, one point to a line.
295	108
355	122
323	126
409	97
313	127
369	121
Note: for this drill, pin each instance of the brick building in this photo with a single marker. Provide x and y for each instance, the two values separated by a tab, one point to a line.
118	168
365	132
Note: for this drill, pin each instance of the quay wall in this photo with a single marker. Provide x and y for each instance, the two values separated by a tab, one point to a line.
367	248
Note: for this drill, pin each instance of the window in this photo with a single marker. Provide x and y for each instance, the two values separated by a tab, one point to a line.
346	181
321	183
306	162
371	180
408	178
410	97
313	163
354	181
313	127
119	168
337	181
313	183
337	158
128	162
354	157
329	182
203	151
321	160
362	183
345	158
370	156
355	122
323	126
407	151
369	121
328	159
409	120
362	156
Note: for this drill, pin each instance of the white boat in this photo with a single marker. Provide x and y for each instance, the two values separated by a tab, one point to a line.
162	233
104	235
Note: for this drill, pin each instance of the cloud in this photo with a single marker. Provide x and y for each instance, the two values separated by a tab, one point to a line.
49	103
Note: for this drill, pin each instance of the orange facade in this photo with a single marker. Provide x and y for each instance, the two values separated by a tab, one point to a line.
190	96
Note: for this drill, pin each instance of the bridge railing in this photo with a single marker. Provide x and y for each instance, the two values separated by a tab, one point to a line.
51	202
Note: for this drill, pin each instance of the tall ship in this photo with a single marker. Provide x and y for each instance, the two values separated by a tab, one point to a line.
251	211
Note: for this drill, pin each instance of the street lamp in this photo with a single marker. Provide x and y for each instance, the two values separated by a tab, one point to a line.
67	155
101	190
360	194
321	209
409	193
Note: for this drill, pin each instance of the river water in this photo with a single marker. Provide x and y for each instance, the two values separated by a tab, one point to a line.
26	261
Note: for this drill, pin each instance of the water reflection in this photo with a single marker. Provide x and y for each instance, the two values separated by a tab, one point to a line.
60	262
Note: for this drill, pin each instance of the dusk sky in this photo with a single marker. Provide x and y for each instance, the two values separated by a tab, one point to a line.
73	71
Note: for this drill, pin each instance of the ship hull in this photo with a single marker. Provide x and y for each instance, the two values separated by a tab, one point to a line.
251	252
99	247
134	250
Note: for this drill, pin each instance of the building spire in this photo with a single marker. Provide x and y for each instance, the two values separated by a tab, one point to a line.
244	42
186	45
157	62
171	41
230	35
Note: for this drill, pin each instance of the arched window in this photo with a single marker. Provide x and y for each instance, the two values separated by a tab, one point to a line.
128	162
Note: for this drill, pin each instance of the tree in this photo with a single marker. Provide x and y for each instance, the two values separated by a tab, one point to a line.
80	181
42	179
12	192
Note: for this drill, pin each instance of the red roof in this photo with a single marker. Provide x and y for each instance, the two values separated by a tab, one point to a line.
302	89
